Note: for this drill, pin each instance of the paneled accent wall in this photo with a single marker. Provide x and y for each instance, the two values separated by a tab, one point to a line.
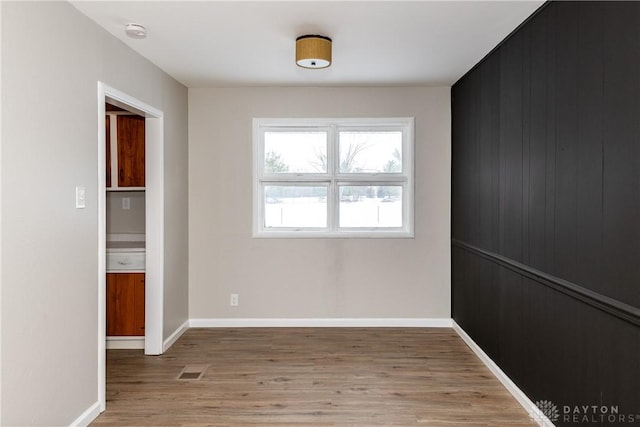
546	205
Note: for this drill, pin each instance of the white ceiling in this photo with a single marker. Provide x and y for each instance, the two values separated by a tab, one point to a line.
252	43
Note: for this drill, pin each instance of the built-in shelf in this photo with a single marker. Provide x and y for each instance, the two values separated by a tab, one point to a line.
109	189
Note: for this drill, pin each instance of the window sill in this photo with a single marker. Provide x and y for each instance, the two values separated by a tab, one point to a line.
351	234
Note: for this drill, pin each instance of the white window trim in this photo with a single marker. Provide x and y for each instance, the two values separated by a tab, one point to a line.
331	180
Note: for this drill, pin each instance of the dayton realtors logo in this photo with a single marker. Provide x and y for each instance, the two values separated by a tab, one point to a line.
584	414
548	409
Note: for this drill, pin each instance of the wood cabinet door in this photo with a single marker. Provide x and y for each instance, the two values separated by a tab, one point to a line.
125	304
138	303
131	136
107	124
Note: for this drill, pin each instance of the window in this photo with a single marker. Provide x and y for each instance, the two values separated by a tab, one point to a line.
333	177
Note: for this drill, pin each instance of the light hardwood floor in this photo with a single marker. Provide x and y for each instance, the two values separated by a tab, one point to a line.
309	377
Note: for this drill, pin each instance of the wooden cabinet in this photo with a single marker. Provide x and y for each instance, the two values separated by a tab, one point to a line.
125	137
125	304
107	126
130	143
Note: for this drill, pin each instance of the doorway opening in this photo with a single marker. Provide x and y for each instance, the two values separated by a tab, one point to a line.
125	205
153	213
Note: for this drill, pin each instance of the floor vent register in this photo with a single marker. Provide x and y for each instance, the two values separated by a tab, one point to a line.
192	372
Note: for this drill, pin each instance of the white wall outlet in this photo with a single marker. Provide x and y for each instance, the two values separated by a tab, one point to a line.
233	301
126	203
81	193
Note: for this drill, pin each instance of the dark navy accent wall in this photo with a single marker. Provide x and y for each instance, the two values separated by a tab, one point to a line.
546	205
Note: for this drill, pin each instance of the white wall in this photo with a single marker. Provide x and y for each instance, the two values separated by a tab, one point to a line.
312	278
125	221
49	249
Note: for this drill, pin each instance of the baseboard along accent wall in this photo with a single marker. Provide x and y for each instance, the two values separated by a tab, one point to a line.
531	408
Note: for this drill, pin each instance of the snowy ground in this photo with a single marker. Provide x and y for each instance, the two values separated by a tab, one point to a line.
312	212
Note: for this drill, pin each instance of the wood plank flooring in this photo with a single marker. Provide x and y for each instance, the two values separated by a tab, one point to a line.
309	377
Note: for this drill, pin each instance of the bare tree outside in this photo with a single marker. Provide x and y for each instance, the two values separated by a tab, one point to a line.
319	163
273	163
348	158
395	164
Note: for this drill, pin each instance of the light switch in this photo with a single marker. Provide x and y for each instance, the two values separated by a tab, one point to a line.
126	203
80	197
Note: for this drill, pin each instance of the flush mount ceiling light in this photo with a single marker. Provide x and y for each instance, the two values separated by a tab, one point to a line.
313	51
136	31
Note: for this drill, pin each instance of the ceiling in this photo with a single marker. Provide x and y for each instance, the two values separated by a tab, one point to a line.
252	43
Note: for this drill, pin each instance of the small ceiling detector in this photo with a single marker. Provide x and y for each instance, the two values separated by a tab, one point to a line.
135	31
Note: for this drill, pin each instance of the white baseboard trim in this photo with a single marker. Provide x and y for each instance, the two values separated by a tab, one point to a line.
87	416
335	322
125	343
166	345
522	398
